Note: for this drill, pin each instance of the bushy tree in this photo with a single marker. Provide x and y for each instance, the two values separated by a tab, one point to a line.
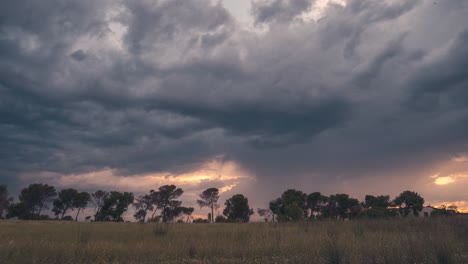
294	212
114	205
341	206
412	201
288	199
64	202
382	201
221	219
237	209
32	200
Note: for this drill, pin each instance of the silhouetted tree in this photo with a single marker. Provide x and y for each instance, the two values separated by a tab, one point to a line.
167	202
293	212
287	199
5	201
381	201
156	201
172	210
19	210
32	200
341	206
64	202
188	211
209	198
275	208
98	199
81	202
143	204
220	219
412	201
237	209
115	204
315	201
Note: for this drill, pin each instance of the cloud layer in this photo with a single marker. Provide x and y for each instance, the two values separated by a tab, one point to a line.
373	91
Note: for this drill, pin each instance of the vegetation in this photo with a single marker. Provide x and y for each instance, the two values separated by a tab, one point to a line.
410	240
237	209
292	205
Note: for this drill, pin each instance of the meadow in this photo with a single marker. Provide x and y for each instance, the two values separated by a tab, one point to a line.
434	240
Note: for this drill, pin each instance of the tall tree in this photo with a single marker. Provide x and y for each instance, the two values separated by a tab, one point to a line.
412	201
81	202
209	198
5	200
143	204
98	199
167	196
64	202
237	209
36	197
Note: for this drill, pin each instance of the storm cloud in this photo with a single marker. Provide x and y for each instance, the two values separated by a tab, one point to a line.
364	92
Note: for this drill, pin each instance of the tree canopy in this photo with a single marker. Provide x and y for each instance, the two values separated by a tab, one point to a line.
237	209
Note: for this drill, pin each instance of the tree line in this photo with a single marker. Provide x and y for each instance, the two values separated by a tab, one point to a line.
164	205
294	205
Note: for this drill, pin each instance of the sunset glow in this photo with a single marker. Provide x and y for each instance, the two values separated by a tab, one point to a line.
224	174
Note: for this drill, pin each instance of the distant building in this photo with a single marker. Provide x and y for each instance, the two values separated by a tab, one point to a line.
427	211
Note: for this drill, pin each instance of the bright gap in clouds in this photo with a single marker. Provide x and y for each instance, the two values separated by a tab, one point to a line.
240	9
225	175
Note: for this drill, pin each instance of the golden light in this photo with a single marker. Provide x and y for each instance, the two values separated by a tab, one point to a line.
444	180
224	175
449	179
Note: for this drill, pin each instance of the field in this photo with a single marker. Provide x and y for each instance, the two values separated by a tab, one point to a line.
441	240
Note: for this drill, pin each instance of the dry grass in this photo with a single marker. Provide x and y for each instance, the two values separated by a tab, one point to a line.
443	240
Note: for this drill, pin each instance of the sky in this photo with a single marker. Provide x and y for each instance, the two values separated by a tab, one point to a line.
253	97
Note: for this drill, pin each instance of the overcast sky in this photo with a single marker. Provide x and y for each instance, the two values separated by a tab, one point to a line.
253	97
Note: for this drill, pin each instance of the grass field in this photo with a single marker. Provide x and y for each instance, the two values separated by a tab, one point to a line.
442	240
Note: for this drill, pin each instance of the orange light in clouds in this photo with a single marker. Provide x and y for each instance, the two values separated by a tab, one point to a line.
224	175
444	180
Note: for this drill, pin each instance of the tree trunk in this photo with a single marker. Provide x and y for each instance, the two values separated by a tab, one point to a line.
154	213
212	214
144	216
77	213
39	212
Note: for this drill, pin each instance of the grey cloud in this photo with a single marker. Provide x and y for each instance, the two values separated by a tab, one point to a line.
78	55
189	83
265	11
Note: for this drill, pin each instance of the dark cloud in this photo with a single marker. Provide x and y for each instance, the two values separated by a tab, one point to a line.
265	11
374	89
